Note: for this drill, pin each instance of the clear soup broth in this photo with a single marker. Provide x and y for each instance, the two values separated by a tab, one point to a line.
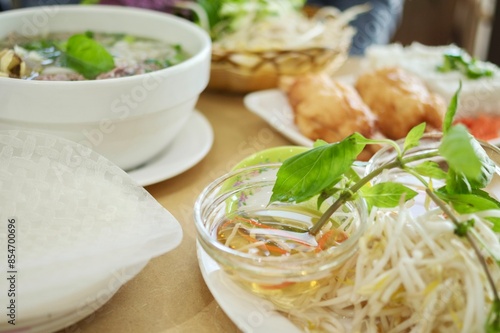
85	55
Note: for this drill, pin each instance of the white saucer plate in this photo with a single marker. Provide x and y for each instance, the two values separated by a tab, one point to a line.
272	106
191	145
250	313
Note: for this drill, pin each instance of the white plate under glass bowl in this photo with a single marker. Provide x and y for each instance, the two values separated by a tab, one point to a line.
188	148
250	313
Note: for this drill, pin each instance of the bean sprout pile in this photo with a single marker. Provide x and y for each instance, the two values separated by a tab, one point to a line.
411	274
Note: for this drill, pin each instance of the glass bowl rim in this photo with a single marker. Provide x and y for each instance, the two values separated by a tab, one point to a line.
204	237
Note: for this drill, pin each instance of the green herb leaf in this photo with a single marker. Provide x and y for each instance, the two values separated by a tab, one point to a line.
457	183
430	169
464	227
319	142
413	137
307	174
492	324
387	194
87	56
476	70
476	201
351	176
232	15
466	156
452	110
469	203
460	61
89	2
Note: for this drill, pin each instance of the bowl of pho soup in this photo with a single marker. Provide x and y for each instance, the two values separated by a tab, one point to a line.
122	81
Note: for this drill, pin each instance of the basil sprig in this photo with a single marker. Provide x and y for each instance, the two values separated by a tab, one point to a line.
87	56
459	61
327	171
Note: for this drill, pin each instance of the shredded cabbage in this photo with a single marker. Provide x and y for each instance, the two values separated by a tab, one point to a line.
266	25
291	29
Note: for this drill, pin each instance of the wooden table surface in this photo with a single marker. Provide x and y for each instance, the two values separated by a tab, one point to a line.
169	294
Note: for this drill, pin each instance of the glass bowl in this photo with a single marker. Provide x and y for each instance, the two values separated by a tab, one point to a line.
283	278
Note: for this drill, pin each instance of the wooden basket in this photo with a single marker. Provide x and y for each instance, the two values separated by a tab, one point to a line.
248	71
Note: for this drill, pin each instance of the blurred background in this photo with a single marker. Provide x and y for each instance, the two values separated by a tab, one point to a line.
470	24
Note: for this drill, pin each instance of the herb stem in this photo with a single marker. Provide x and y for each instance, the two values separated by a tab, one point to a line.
401	163
349	193
444	207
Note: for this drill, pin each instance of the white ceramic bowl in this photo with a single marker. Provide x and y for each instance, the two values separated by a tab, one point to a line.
128	120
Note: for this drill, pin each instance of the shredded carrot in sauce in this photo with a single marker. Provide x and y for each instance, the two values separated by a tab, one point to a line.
330	236
483	127
265	247
248	234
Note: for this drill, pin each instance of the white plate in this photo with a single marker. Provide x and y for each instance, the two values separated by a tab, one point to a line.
250	313
191	145
272	106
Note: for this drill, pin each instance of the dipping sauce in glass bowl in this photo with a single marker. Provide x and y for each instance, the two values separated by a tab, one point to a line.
266	247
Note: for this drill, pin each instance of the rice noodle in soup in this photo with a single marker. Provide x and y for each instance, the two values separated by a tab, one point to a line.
84	56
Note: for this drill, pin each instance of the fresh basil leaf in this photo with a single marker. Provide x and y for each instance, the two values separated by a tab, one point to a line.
462	228
477	200
307	174
351	175
413	137
470	167
476	71
460	61
360	139
387	194
492	324
486	195
430	169
466	156
452	110
88	57
457	183
447	65
469	203
319	142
